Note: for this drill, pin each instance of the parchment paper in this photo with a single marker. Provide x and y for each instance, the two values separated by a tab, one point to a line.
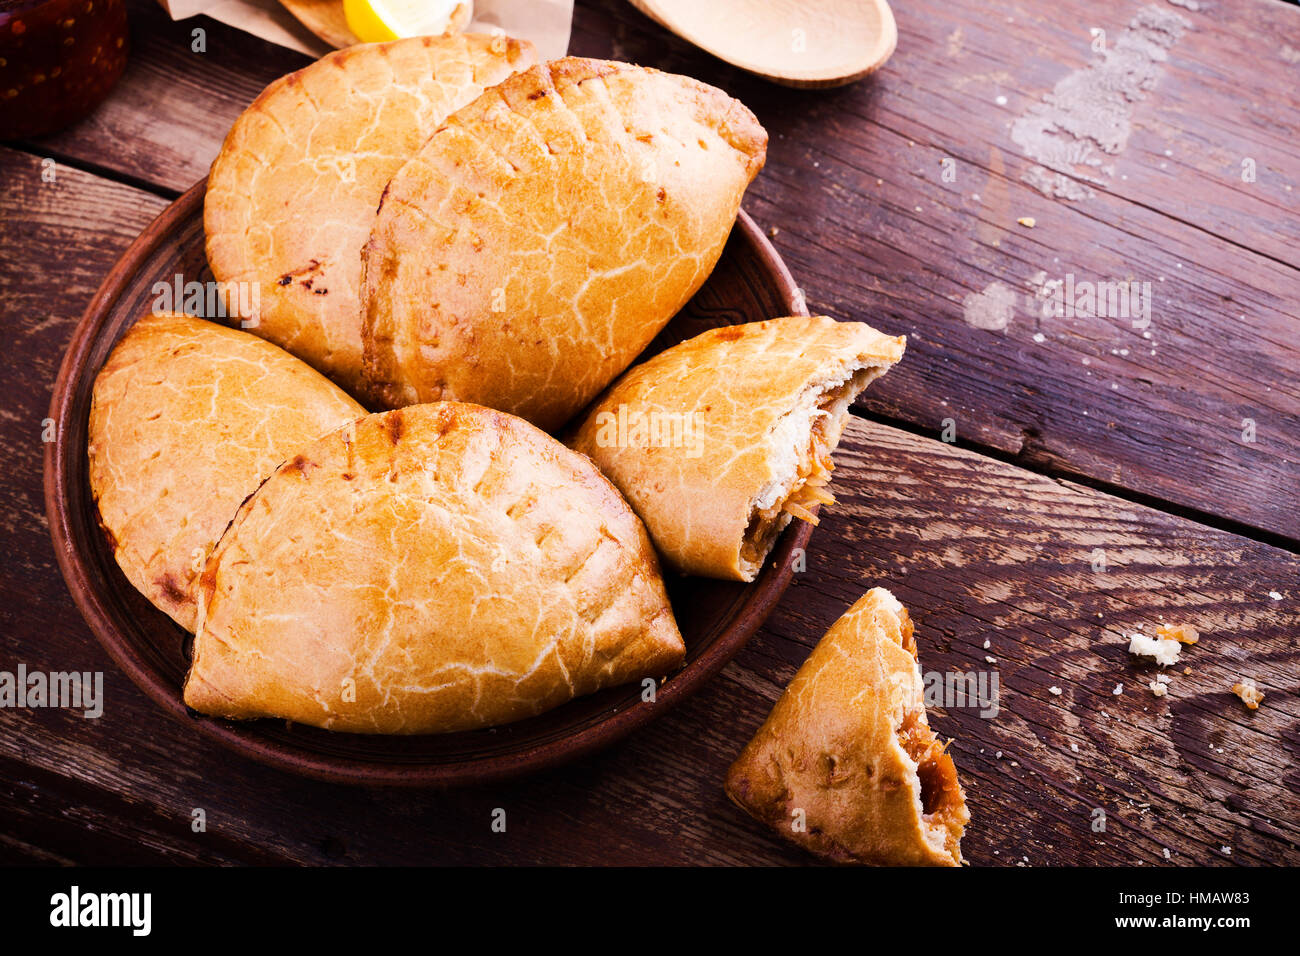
545	22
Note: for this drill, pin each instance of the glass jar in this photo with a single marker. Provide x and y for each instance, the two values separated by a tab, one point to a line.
58	60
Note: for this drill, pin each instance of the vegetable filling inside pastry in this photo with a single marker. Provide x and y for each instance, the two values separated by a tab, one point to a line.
942	804
803	442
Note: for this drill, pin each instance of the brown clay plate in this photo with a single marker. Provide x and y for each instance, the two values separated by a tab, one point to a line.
716	617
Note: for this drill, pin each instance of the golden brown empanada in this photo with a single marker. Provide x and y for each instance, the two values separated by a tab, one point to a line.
436	568
718	441
846	765
543	236
292	196
186	419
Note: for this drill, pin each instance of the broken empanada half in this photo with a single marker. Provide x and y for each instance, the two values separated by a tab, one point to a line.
846	765
437	568
720	441
293	193
186	419
542	237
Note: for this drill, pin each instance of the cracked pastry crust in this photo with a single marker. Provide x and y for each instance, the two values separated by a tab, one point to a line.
186	419
293	193
546	233
848	744
437	568
760	407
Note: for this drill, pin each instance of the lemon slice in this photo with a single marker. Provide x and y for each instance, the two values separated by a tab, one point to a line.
374	21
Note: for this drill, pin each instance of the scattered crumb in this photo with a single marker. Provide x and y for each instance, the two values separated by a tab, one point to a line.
991	660
998	755
774	231
1157	688
1027	221
1227	850
1165	851
1250	694
1054	691
1119	689
1275	595
1182	633
1040	338
1001	101
1074	747
987	644
880	182
1164	650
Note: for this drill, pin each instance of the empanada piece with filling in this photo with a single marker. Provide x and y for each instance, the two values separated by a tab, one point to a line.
186	419
436	568
846	765
719	441
293	193
543	236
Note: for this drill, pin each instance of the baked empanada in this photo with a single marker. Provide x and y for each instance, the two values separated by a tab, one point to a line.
846	765
293	193
186	419
543	236
436	568
719	441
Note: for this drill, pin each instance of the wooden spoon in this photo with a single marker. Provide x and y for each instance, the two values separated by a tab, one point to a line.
804	43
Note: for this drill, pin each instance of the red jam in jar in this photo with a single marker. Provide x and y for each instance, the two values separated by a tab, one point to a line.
58	60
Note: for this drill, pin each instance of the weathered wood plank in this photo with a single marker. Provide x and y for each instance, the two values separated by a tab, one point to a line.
977	549
869	226
1201	409
164	122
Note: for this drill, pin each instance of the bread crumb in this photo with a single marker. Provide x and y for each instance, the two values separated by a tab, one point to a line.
1054	691
1182	633
1119	689
1275	595
1027	221
1166	852
1074	747
774	231
1164	650
991	660
1250	694
1157	688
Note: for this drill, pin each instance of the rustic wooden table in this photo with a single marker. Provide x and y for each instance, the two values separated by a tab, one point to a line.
1097	477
